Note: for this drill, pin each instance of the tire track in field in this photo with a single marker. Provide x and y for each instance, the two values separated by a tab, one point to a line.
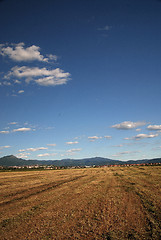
40	189
152	217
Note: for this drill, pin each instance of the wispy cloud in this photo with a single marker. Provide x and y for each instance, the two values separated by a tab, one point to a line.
21	91
12	123
6	83
3	147
18	52
154	127
125	153
33	149
105	28
128	125
22	129
93	138
142	136
70	143
119	145
74	150
138	129
51	144
47	154
107	137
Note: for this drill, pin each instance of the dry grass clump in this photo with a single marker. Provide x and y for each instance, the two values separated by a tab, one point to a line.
100	203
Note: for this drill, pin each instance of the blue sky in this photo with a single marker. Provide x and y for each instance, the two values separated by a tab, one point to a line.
80	79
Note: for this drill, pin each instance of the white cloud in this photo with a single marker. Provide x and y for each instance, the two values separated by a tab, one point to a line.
22	155
12	123
74	150
47	154
36	149
3	147
142	136
128	125
51	144
154	127
21	91
70	143
17	81
22	150
33	149
18	52
138	129
41	76
43	155
21	130
51	81
93	138
4	132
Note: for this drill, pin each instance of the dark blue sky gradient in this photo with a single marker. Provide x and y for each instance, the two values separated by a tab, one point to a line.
115	76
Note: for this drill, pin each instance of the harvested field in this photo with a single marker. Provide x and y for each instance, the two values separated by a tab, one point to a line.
93	203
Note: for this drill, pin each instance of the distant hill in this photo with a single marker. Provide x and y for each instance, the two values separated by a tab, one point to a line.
14	161
154	160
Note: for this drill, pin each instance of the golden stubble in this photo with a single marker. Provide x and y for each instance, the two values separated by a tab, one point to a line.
94	203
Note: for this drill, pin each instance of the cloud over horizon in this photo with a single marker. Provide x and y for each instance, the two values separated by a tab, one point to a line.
33	149
119	154
74	150
46	154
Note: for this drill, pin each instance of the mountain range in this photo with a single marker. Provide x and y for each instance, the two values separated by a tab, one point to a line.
14	161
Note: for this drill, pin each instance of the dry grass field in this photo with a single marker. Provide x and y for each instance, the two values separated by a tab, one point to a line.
94	203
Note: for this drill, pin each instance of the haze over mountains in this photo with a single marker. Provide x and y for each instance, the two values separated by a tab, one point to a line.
14	161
